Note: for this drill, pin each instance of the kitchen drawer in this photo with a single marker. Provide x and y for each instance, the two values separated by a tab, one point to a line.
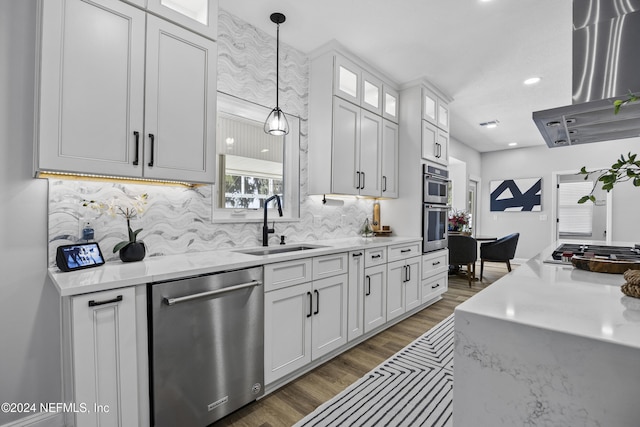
404	251
330	265
434	286
283	274
375	256
435	263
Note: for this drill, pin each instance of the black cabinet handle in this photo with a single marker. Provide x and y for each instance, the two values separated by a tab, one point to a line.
357	255
384	183
435	286
358	184
363	180
435	263
152	138
310	304
376	256
93	303
408	276
317	301
404	251
368	292
137	135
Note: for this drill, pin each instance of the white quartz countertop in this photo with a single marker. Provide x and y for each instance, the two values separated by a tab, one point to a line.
114	275
564	299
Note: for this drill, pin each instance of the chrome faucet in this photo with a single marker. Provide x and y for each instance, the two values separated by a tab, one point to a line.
265	228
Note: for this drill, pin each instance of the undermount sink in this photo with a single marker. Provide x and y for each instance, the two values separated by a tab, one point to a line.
280	249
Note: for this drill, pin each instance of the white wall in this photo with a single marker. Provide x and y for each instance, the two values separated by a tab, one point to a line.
535	233
29	306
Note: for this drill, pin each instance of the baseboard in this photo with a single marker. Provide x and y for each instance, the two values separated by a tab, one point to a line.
41	419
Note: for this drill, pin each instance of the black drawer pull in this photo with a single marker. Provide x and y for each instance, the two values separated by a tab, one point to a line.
152	138
403	251
137	135
357	255
93	303
376	256
435	263
435	286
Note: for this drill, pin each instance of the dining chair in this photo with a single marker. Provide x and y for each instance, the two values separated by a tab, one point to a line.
501	250
463	250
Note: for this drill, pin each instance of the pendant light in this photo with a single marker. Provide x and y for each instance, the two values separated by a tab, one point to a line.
276	123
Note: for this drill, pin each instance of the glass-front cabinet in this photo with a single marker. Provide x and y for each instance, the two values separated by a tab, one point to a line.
435	110
371	93
200	16
390	104
347	80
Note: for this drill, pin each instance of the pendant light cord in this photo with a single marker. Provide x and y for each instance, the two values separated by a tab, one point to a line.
277	65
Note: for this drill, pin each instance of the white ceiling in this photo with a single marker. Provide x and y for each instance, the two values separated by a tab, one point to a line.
479	53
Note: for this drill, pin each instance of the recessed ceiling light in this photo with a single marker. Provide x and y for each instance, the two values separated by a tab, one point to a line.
490	125
513	144
532	81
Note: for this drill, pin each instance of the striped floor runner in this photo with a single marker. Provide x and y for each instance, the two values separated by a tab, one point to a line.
412	388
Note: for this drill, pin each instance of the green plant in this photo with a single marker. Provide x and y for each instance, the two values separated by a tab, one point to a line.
128	209
625	169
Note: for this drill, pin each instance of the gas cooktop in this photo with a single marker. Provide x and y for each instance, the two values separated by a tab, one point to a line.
599	251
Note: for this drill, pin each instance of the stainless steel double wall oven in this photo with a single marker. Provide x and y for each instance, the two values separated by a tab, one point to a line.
435	208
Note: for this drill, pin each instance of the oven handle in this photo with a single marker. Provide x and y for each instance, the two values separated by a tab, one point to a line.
435	177
173	301
443	207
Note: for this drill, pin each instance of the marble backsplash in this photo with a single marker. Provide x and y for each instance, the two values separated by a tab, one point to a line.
179	219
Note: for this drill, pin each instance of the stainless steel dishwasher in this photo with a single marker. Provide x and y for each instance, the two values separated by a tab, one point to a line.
206	346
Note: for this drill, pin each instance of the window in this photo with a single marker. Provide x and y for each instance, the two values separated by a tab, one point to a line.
253	165
574	219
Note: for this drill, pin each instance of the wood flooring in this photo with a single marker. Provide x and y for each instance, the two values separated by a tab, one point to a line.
292	402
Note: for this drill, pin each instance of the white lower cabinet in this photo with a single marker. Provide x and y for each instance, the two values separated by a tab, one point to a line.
403	286
305	321
375	297
101	358
435	274
355	316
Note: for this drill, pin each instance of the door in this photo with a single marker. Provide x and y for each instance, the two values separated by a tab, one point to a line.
390	159
91	87
370	154
329	321
346	148
429	141
355	295
429	107
180	104
390	103
396	276
375	297
287	326
105	357
472	205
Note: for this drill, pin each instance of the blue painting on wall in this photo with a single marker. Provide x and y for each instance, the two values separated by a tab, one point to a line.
519	195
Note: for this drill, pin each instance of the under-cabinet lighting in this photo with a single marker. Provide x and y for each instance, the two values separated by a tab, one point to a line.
513	144
109	178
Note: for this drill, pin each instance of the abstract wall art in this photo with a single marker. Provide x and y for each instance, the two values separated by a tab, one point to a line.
517	195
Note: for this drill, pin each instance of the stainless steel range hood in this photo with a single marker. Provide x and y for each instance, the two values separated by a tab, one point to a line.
606	67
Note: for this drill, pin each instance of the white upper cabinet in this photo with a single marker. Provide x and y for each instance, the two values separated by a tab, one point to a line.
435	110
372	98
347	107
435	144
91	87
347	80
390	104
200	16
389	159
101	114
180	104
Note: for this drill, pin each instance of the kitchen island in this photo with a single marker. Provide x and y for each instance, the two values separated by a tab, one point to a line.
548	345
